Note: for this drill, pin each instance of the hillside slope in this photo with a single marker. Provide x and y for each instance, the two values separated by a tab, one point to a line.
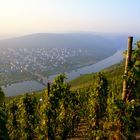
112	73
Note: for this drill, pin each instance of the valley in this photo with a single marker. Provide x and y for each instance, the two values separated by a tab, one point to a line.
35	56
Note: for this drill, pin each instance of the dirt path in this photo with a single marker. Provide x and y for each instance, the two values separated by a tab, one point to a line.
80	132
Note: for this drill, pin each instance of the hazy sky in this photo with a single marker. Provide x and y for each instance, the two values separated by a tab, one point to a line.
32	16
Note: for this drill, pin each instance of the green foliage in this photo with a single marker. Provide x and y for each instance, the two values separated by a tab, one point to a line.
3	118
138	44
15	123
97	107
31	117
3	122
98	102
61	109
113	73
23	117
120	120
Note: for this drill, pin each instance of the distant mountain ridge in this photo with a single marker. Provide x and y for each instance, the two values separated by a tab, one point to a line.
69	40
36	55
94	46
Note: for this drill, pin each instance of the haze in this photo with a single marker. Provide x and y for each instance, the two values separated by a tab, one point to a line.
19	17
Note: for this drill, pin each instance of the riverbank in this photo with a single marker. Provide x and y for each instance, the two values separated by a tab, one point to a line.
22	87
114	59
36	85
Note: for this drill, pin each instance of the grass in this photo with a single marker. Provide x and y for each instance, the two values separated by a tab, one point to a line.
112	73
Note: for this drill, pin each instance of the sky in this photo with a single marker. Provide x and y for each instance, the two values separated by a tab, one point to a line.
20	17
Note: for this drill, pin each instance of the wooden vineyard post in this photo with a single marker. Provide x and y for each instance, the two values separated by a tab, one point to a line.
127	64
48	85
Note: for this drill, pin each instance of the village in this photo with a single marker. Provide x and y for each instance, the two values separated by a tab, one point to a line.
38	59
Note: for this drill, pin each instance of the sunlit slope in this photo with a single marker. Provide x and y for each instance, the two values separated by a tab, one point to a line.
112	73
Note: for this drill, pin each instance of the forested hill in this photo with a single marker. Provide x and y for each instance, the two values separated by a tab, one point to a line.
68	40
98	45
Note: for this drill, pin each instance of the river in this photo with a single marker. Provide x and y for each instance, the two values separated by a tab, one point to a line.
116	58
22	87
30	86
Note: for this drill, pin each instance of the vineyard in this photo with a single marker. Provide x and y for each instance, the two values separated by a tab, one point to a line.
107	109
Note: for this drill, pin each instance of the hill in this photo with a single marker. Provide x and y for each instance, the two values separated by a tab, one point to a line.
77	40
48	54
97	45
113	72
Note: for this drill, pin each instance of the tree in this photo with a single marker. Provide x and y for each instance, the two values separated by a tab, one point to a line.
3	118
97	107
31	117
59	110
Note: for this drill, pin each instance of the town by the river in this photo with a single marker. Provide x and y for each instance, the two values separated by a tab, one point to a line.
31	86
